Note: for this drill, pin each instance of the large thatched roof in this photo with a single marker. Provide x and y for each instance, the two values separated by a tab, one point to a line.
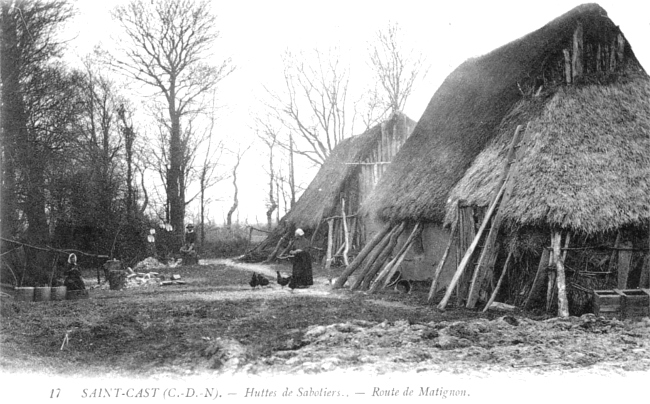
585	163
467	112
322	194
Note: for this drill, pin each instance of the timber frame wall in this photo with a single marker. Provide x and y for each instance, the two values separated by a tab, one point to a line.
359	185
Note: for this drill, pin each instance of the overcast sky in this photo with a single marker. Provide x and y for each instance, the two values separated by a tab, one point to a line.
256	33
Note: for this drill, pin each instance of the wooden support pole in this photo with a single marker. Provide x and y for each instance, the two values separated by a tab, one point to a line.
550	286
567	65
328	256
599	59
612	56
490	250
496	289
562	302
467	233
353	232
644	279
442	262
612	258
403	252
382	258
315	234
338	252
538	282
393	264
470	250
620	48
624	259
274	254
577	54
362	255
346	237
375	256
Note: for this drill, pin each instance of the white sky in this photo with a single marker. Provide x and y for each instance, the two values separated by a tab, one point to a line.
256	33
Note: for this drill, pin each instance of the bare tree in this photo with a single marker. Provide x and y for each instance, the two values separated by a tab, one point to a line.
269	135
396	68
167	46
314	105
239	154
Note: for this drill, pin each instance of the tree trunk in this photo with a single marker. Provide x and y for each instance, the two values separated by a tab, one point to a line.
272	203
292	177
174	174
10	123
235	200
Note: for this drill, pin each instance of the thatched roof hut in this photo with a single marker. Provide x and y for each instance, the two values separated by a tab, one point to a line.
581	168
349	174
341	171
467	114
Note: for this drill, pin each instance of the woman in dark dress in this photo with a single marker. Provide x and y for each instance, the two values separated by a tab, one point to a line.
301	275
73	280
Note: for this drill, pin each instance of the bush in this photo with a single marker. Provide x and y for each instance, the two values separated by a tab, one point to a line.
222	242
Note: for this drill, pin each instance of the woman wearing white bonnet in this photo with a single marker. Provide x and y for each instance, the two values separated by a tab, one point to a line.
302	272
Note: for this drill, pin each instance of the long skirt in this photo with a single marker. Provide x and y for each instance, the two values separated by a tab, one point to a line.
301	274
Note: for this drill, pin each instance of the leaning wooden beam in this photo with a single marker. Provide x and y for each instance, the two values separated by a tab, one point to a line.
382	258
346	237
490	250
443	260
362	255
562	302
392	265
496	288
470	250
274	254
373	256
403	252
540	278
315	234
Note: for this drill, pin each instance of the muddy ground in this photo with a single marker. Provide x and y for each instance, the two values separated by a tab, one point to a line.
216	324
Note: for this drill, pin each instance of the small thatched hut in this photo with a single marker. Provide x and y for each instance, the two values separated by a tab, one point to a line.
547	135
345	179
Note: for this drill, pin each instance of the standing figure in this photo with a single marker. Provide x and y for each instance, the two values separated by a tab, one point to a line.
301	275
187	251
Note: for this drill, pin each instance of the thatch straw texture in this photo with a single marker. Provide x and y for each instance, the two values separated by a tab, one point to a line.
322	194
468	109
586	162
